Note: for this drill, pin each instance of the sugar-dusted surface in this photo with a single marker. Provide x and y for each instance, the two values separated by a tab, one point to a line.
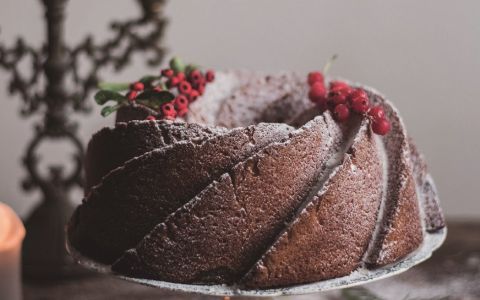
262	93
206	109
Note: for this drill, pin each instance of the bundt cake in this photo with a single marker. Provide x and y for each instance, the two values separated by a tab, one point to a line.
256	186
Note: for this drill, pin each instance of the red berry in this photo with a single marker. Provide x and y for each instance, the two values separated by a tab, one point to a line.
181	102
174	81
158	89
337	84
199	82
138	86
376	113
358	93
132	95
195	76
210	75
381	126
341	112
183	112
168	110
359	101
360	105
168	73
181	76
317	93
184	87
151	118
339	94
314	77
193	95
201	88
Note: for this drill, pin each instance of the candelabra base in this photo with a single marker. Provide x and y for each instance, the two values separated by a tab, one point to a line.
44	254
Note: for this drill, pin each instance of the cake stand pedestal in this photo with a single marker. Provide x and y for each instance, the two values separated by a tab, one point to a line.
431	242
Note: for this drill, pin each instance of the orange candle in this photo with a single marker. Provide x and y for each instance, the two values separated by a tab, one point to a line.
12	233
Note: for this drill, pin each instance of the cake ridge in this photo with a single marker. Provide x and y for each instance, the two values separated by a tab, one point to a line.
334	163
168	147
427	191
144	155
134	180
382	251
257	240
259	275
110	147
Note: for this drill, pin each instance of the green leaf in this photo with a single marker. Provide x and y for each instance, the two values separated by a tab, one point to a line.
147	80
103	96
155	99
107	110
165	96
115	87
177	65
191	67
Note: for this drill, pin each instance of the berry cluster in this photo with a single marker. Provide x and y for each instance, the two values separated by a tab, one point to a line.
343	100
168	94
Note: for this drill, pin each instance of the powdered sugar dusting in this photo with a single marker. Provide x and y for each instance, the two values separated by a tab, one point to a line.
205	110
381	210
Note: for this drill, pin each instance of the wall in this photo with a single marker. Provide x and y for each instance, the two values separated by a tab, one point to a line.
424	55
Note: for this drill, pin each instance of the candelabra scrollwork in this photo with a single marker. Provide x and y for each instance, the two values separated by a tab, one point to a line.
57	83
118	51
10	59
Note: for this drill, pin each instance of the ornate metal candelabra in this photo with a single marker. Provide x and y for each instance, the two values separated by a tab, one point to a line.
45	91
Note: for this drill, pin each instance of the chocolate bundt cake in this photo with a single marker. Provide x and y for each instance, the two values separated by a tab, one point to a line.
256	187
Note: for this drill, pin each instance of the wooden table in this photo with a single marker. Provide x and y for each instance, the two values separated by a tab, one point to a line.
452	273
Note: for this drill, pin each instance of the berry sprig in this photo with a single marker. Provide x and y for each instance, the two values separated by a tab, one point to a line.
168	94
343	101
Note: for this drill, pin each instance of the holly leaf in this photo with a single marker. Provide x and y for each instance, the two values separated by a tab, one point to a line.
107	110
155	99
103	96
147	80
115	87
164	96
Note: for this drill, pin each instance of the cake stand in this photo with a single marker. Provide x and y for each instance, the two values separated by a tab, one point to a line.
362	275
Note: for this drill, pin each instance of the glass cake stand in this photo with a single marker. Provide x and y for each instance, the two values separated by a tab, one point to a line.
362	275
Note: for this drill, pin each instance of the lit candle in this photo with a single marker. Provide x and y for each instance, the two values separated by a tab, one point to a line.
12	233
